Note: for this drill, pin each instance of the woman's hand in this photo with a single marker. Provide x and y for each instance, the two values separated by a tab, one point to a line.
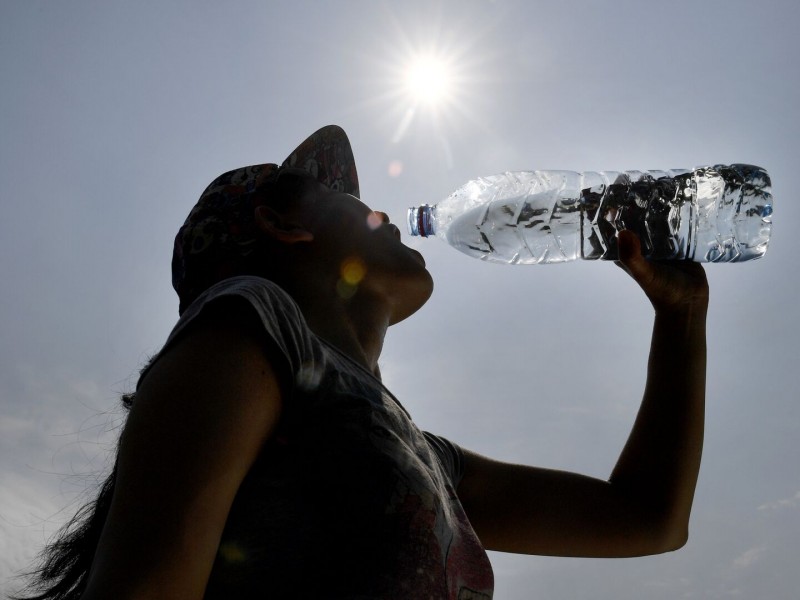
671	286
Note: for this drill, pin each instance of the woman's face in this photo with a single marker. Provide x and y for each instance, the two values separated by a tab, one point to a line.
367	250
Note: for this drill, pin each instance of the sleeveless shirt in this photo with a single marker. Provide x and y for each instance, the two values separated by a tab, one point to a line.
348	499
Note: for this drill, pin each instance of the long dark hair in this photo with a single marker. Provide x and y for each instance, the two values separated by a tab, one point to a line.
64	564
63	569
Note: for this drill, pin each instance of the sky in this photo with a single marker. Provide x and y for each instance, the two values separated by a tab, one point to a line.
114	116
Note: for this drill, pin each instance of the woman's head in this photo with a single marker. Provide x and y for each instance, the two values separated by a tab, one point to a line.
249	222
220	237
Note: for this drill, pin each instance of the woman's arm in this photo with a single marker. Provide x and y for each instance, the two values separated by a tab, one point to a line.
200	418
644	506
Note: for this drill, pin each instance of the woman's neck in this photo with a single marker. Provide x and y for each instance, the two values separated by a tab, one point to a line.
356	326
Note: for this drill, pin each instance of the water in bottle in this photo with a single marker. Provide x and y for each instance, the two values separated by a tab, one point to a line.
720	213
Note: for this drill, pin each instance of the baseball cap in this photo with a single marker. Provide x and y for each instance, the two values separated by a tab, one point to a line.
220	230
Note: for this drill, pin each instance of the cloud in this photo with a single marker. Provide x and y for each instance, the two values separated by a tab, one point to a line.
55	448
792	502
749	557
30	512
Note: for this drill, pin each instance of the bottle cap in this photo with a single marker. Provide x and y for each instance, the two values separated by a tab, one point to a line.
420	220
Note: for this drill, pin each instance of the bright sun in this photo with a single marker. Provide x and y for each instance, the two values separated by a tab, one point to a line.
428	80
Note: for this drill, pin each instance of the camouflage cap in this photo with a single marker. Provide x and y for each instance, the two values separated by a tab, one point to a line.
220	230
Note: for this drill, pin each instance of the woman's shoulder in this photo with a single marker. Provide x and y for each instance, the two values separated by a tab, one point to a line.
277	311
256	288
246	303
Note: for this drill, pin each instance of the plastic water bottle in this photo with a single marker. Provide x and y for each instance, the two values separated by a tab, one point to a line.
709	214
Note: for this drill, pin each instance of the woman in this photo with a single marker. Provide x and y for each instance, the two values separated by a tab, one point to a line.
262	456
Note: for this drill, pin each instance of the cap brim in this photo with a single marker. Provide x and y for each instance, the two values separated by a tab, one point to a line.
328	156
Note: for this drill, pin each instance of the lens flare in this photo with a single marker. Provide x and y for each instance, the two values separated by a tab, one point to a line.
351	274
353	271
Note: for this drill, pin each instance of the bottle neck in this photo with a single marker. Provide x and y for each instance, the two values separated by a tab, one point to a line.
420	220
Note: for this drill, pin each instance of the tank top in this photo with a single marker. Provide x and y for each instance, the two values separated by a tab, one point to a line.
348	499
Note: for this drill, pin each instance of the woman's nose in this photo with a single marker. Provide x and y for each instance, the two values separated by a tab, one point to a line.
382	216
378	218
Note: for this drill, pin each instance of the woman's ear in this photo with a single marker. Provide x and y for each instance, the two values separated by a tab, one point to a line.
278	228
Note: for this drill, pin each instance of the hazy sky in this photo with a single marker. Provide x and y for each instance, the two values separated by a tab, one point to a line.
114	117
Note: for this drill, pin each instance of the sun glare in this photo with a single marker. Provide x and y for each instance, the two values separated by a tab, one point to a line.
428	80
432	74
